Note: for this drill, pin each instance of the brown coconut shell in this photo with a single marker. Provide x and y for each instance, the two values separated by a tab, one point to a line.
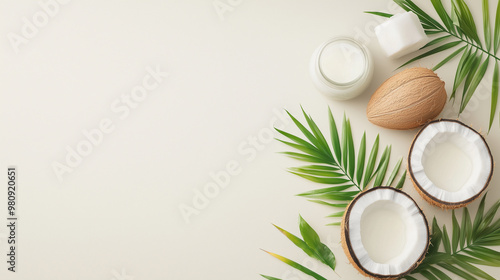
346	243
433	200
407	100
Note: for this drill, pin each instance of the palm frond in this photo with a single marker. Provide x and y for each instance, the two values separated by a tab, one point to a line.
309	244
466	246
335	162
494	95
459	34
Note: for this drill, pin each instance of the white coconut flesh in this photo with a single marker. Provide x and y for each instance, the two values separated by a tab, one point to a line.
450	163
409	240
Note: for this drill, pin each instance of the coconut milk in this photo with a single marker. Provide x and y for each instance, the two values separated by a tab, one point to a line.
383	231
447	166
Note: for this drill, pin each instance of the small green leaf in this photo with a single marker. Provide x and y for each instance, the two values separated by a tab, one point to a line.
345	144
445	18
336	214
308	233
328	168
351	163
433	51
334	136
475	62
472	269
361	160
486	24
298	242
455	234
497	29
326	190
341	196
428	275
304	157
382	168
318	135
457	271
432	32
448	58
446	241
370	165
297	266
327	256
305	131
269	277
395	172
480	261
436	238
441	275
461	72
483	253
314	172
436	41
427	26
494	94
401	181
323	253
466	21
321	180
474	83
438	6
297	140
336	205
488	217
380	14
479	215
305	149
466	229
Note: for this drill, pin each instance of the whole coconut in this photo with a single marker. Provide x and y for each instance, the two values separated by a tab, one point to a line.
408	99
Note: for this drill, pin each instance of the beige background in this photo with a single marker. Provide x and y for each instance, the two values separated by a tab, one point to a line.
116	215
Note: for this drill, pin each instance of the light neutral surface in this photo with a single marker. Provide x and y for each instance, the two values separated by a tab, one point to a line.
117	214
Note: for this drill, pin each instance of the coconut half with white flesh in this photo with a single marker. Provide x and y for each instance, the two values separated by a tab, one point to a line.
408	244
450	163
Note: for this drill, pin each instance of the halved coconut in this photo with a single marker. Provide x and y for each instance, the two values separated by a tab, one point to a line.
407	240
449	163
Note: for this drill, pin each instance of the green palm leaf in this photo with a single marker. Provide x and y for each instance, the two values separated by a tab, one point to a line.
336	163
476	79
445	18
487	24
295	265
496	38
309	244
463	69
448	58
494	95
269	277
467	247
380	14
458	33
433	51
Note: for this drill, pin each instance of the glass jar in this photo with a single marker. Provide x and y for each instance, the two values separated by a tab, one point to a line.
341	68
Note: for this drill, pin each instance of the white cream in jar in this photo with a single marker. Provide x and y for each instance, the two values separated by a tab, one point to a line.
341	68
